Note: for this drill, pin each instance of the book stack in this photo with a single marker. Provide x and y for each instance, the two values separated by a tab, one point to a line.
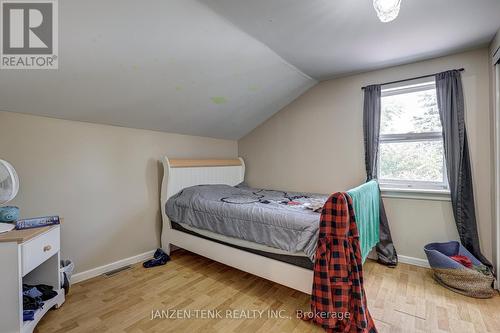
37	222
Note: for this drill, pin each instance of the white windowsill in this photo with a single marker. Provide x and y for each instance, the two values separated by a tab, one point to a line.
415	194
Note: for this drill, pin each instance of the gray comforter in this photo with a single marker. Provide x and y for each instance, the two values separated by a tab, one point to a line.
278	219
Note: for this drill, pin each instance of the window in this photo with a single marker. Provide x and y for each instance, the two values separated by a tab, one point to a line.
411	152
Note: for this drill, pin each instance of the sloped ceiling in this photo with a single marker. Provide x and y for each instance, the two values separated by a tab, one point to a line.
219	68
167	65
331	38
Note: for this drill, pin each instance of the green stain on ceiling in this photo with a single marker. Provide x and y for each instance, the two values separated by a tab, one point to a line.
253	87
178	88
218	100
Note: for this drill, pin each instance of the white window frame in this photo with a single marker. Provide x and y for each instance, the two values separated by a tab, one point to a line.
411	185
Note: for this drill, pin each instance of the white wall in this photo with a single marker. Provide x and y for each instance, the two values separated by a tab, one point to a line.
103	180
316	144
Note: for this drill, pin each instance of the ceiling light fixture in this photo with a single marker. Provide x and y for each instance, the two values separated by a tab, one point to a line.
387	10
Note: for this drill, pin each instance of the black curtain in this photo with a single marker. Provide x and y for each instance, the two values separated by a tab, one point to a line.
386	251
450	100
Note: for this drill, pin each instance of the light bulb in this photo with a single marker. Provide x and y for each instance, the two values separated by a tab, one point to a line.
387	10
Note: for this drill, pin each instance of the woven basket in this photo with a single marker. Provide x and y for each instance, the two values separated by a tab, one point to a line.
468	282
455	276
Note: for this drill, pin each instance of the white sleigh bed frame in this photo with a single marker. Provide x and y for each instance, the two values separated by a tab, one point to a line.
182	173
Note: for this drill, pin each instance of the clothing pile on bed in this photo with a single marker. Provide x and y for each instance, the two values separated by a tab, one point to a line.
34	298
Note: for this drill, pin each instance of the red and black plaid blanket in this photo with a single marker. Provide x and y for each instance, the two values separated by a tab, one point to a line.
338	299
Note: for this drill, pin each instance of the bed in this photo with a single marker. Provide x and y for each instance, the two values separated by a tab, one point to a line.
271	234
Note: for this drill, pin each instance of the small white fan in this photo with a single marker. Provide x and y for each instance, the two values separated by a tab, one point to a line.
9	186
9	182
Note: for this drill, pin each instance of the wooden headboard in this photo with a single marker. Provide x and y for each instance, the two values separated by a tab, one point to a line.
183	163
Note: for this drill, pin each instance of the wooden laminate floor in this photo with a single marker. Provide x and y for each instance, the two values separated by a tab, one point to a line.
405	299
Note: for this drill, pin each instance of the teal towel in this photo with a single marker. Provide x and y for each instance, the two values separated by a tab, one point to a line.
366	202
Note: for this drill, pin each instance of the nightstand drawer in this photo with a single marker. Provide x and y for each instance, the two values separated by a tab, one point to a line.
39	249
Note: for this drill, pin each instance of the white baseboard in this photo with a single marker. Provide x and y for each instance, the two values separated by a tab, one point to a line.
85	275
404	260
82	276
413	261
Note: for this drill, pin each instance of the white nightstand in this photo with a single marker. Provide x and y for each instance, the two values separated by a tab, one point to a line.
27	256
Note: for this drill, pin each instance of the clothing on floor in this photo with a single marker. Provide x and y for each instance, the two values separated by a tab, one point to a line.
338	299
159	258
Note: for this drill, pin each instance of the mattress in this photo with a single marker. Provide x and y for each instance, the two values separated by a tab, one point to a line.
297	259
277	219
234	241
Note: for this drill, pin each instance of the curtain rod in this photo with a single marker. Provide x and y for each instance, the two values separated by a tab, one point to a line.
413	78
